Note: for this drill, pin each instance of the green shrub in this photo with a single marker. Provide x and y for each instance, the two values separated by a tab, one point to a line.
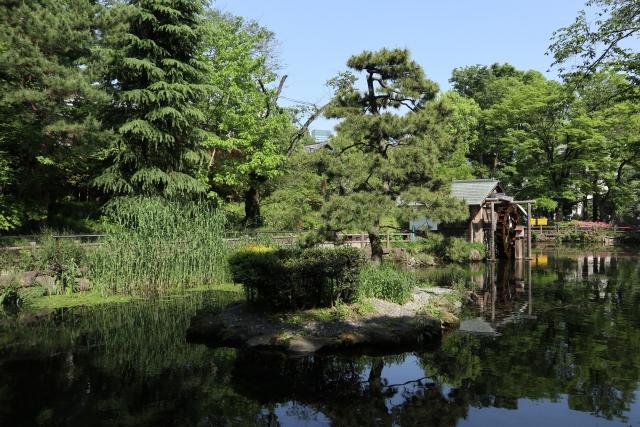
459	250
10	296
283	279
386	281
430	244
61	257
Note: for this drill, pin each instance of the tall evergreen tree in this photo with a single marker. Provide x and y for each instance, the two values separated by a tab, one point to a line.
49	132
385	164
156	75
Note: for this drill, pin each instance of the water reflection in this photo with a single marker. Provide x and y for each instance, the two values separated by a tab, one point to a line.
563	348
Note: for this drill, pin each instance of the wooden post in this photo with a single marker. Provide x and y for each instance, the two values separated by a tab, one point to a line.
530	294
388	240
529	230
362	244
492	256
493	292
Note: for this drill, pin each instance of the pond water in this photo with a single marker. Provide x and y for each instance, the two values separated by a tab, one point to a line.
551	342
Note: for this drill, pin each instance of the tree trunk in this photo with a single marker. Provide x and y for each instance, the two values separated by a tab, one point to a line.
375	375
252	217
595	210
376	246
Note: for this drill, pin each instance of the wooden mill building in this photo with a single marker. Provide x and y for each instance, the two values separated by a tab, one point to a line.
495	219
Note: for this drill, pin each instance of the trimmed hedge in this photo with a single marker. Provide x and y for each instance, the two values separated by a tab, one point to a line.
286	279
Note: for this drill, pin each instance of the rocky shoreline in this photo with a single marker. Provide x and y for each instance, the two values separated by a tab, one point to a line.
386	325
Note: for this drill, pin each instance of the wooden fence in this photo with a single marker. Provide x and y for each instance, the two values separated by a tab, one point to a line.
555	229
286	238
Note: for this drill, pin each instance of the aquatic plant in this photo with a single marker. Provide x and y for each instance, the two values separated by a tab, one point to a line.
157	245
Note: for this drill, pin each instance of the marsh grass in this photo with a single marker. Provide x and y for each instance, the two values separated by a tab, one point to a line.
157	246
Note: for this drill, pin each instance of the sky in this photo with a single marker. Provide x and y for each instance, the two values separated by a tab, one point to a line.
315	38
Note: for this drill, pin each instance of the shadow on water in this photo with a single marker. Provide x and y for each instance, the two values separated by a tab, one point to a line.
556	341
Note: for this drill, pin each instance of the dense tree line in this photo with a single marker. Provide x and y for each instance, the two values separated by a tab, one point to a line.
161	98
170	98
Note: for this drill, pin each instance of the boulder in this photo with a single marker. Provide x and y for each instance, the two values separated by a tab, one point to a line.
475	255
6	279
82	284
47	282
26	278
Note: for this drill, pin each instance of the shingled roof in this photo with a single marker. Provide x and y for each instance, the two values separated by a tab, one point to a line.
473	191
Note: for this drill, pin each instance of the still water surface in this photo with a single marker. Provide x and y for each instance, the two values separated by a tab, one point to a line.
553	342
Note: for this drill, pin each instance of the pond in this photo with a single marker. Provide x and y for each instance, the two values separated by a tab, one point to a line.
551	342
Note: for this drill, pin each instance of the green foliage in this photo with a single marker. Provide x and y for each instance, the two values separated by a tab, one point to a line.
386	281
430	243
297	199
386	163
449	249
590	45
483	83
282	279
248	133
58	255
154	70
546	204
544	140
50	134
458	250
159	246
10	296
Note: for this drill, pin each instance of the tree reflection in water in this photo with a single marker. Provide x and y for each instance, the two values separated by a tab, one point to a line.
568	338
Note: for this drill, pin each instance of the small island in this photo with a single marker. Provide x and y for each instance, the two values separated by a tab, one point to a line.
305	301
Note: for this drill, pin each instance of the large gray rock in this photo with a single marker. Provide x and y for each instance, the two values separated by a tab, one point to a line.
27	278
6	279
475	255
83	284
47	282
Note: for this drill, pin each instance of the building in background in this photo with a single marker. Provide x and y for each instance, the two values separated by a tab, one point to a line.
321	139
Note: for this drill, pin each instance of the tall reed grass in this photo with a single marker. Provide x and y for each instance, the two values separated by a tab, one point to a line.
158	245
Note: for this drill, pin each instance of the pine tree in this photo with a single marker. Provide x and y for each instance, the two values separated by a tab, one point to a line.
47	103
155	72
388	165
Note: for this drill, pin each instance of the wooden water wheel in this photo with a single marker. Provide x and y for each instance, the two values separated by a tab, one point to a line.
508	217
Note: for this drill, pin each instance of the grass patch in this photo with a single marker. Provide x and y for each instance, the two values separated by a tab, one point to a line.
222	287
386	281
36	300
78	299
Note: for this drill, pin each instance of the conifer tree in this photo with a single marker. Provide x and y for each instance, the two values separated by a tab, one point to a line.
155	73
48	130
387	164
